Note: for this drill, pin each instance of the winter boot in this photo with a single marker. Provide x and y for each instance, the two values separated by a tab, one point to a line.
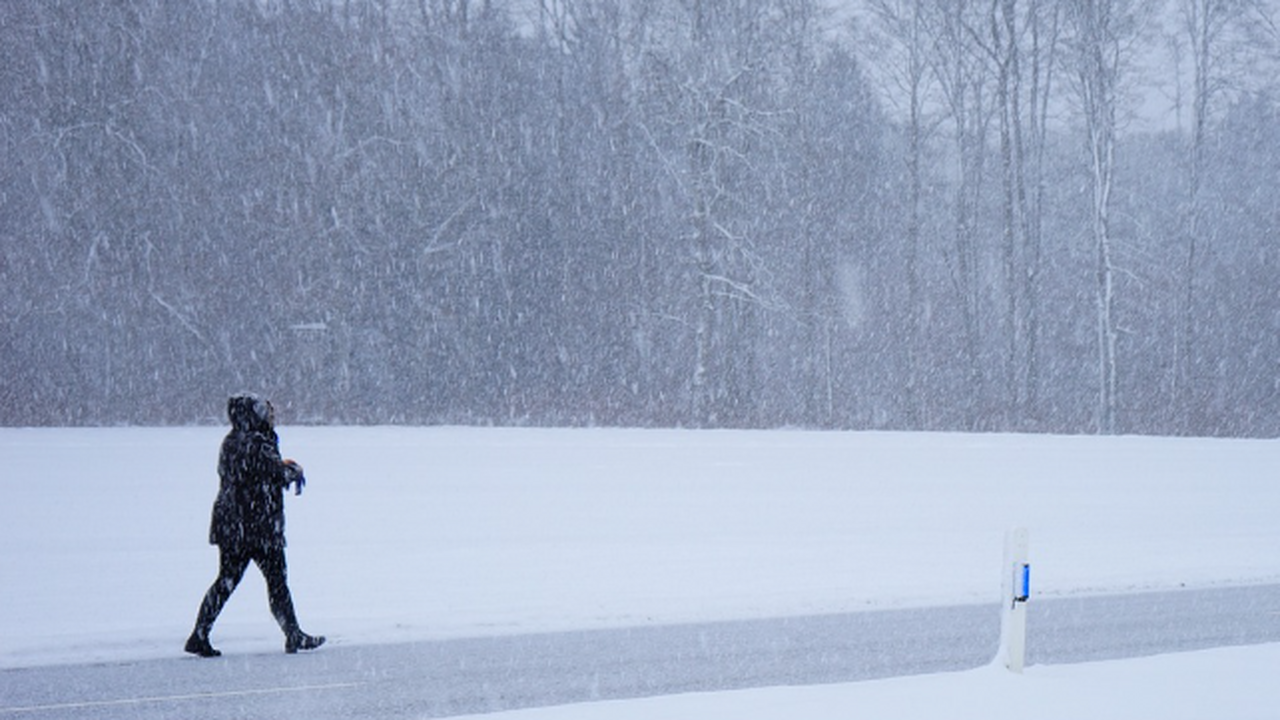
199	645
298	640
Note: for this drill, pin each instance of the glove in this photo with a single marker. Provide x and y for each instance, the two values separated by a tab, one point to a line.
293	476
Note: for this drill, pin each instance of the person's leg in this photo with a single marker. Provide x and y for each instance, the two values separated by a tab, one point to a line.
231	567
272	564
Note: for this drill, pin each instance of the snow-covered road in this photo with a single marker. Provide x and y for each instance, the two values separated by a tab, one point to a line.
452	677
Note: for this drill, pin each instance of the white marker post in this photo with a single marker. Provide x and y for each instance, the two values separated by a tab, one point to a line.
1016	589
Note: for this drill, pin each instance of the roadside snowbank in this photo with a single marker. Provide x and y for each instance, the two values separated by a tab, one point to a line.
1223	684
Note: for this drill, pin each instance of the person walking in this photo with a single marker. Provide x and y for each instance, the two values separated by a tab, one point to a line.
248	521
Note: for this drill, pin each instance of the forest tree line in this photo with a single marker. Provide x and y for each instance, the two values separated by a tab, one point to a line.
932	215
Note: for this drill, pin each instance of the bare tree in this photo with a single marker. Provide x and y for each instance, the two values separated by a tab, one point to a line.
962	73
999	42
901	28
1012	40
1220	37
713	73
1103	34
1043	23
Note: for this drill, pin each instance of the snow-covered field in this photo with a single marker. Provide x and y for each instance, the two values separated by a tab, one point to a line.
422	533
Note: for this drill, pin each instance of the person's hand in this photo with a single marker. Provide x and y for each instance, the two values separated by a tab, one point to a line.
294	476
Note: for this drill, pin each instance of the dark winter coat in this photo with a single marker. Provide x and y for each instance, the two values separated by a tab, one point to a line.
249	510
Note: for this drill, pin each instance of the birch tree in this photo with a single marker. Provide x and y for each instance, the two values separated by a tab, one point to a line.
1103	34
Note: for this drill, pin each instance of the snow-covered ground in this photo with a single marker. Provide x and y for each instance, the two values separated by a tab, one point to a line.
1223	684
423	533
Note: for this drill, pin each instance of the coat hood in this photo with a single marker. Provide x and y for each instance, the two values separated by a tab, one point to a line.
248	411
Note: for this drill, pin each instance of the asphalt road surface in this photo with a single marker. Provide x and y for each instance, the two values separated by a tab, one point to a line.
454	677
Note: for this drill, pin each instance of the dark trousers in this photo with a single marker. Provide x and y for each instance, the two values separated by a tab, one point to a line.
232	564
